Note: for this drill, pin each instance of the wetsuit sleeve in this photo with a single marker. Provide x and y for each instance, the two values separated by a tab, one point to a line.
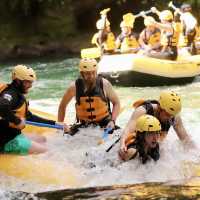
8	101
35	118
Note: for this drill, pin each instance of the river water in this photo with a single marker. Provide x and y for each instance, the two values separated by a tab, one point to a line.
100	169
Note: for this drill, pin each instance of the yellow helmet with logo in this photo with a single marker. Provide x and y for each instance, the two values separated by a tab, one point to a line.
23	72
87	64
170	102
101	24
148	123
148	21
166	15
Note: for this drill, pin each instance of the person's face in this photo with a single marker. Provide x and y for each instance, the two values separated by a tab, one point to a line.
126	29
108	29
151	28
151	139
26	86
89	77
164	115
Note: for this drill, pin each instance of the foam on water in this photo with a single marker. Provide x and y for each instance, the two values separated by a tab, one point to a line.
95	167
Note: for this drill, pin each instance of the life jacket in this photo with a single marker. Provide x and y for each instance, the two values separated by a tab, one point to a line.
109	44
152	38
128	42
197	40
22	109
169	39
147	105
93	106
183	40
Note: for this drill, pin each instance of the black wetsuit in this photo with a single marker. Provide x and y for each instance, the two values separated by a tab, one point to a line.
11	99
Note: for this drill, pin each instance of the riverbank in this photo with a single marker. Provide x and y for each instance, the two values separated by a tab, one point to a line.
67	47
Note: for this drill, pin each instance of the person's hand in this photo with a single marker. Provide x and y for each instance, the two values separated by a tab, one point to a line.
20	126
66	128
142	13
147	48
111	124
123	151
154	9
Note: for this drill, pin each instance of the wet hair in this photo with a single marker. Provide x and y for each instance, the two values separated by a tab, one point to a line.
153	152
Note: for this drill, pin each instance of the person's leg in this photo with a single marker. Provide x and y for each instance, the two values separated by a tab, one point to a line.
37	148
36	138
23	145
166	55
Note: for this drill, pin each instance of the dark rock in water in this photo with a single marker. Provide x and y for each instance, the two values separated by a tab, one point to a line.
155	191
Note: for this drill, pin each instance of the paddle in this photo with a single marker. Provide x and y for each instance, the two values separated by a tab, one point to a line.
106	132
56	126
109	144
171	5
95	52
73	128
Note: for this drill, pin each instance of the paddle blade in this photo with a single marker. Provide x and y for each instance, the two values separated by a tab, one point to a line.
91	53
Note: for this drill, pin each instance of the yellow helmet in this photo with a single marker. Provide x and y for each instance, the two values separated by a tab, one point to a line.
87	64
129	18
148	21
23	72
170	102
166	15
126	24
148	123
101	24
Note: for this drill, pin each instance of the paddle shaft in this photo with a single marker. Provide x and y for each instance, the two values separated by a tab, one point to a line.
106	132
146	13
39	124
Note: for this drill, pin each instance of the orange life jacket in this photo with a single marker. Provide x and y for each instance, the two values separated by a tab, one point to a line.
92	107
20	111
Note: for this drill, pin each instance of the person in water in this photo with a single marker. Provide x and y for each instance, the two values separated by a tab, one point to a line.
14	112
93	95
166	110
144	144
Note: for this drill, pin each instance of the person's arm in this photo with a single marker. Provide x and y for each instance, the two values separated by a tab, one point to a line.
181	132
167	27
35	118
130	129
112	96
118	42
141	40
69	94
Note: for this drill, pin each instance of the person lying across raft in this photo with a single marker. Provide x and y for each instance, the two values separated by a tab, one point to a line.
166	110
93	95
13	112
144	145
